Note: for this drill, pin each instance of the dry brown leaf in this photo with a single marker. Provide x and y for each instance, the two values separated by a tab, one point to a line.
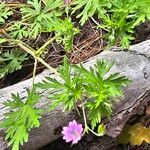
148	110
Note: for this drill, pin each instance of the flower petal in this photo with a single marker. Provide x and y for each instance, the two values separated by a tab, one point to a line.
72	132
73	124
65	130
67	2
80	128
75	140
68	138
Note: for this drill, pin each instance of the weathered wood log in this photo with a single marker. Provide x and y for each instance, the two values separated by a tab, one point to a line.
133	63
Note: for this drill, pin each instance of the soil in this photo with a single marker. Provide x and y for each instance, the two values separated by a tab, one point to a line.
91	145
88	43
142	32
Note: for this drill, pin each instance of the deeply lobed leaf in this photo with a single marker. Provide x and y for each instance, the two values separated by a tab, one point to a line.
92	87
23	117
5	12
11	61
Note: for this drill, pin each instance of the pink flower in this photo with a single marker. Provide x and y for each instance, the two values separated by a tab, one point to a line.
73	132
67	2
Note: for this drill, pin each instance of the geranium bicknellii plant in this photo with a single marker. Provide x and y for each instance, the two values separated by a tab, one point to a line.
90	90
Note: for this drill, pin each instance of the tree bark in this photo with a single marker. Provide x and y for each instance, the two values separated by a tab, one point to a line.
133	63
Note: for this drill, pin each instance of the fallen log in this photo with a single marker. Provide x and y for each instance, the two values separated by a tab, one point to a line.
133	63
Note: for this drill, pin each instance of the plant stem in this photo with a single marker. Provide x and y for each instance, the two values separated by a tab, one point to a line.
38	58
21	45
94	132
67	10
17	5
77	110
95	21
29	50
39	51
34	71
44	2
47	65
98	24
85	123
84	116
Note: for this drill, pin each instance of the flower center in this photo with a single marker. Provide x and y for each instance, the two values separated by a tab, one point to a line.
75	133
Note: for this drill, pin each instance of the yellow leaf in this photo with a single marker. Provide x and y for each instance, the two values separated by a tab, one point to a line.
136	134
139	133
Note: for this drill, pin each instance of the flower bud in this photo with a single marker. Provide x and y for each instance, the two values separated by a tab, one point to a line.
67	2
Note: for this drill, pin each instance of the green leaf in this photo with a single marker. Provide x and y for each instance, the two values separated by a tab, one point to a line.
11	61
2	40
19	31
143	10
67	91
23	116
93	87
124	16
66	31
5	12
89	8
40	18
101	89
